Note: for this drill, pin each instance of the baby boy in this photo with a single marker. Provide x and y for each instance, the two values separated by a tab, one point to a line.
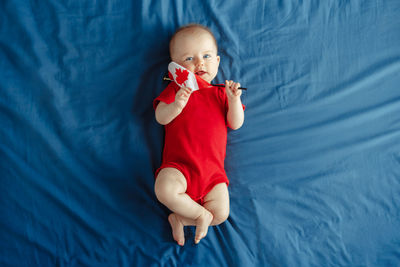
192	181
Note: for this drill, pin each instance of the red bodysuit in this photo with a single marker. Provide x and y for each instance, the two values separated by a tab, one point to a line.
195	141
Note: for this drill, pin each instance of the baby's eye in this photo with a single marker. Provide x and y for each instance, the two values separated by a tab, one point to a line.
207	56
189	59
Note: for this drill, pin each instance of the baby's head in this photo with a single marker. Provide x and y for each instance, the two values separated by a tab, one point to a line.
194	47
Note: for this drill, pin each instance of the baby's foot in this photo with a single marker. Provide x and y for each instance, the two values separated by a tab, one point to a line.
177	229
202	224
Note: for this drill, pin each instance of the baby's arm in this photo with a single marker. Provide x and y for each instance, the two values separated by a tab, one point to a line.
235	114
165	113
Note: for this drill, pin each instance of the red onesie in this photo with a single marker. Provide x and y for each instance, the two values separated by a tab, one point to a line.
195	141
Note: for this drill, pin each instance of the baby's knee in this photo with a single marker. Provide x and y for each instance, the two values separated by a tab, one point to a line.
160	193
163	193
220	216
166	193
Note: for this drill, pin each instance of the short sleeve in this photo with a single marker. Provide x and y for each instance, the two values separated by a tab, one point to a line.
167	96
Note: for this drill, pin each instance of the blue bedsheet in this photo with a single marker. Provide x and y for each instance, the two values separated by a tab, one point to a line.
314	172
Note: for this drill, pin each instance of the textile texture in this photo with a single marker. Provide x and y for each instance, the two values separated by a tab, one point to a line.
314	172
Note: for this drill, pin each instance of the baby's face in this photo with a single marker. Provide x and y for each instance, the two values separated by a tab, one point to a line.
195	50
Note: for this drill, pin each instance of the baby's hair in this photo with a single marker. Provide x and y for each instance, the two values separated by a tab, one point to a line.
193	26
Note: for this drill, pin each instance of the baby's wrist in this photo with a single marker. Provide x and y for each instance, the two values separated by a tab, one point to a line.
234	99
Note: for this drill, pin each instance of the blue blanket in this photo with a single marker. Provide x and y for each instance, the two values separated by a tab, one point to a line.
314	172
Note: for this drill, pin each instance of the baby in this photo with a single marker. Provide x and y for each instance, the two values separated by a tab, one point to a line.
192	181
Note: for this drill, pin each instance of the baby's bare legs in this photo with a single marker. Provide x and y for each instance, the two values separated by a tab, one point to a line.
170	188
217	202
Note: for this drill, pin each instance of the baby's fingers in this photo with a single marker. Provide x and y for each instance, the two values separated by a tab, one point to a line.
236	92
235	86
187	90
232	88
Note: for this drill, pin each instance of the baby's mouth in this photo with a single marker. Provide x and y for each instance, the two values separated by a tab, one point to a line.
200	72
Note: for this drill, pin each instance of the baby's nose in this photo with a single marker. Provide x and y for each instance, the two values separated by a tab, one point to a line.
199	61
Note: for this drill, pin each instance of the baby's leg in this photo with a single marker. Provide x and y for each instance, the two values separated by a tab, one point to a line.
177	228
202	223
217	202
170	189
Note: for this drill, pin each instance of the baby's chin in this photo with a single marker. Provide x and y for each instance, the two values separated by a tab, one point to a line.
207	78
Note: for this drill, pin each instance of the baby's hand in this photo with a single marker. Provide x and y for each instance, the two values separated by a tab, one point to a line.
182	97
232	90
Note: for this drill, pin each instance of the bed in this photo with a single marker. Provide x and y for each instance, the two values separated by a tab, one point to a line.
314	171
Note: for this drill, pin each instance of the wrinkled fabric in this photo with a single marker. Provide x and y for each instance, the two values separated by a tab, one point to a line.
314	171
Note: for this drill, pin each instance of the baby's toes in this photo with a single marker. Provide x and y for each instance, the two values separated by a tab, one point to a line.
177	229
202	224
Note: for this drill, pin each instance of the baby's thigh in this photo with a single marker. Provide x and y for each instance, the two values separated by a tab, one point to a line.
170	180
